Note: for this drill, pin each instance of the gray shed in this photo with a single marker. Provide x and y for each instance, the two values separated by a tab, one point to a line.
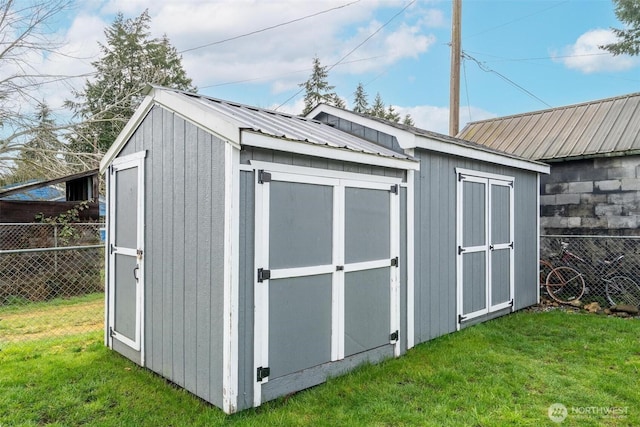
252	254
473	225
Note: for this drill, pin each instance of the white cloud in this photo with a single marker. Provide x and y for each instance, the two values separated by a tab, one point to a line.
585	55
280	57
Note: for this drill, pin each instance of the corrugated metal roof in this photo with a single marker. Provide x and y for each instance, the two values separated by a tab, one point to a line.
604	127
295	128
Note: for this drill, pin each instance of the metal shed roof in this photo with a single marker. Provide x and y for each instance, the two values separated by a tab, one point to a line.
240	125
410	137
607	127
294	128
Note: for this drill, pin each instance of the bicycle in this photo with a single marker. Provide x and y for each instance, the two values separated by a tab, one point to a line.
565	283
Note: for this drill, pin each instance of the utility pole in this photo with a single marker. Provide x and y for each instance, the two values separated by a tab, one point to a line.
454	82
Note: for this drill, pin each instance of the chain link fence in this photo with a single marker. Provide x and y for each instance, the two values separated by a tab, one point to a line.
608	265
51	280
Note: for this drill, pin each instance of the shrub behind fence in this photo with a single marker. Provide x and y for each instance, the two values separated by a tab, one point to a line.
57	265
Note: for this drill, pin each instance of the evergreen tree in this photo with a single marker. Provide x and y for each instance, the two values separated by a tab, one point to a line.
130	59
628	12
318	90
378	108
408	120
38	156
391	114
360	102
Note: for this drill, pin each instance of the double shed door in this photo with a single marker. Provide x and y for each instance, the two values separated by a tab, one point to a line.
485	243
326	270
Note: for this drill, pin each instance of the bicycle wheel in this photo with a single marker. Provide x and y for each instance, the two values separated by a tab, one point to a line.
545	269
622	290
565	284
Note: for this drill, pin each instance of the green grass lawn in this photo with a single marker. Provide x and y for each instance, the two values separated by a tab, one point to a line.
504	372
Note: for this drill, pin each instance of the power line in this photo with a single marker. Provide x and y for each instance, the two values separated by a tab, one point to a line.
353	50
466	88
269	28
484	67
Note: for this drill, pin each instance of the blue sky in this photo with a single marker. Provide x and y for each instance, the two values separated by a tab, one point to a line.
520	55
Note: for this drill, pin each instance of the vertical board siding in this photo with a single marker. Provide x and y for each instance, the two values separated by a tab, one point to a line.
246	298
184	248
526	238
178	251
191	262
203	269
163	125
435	234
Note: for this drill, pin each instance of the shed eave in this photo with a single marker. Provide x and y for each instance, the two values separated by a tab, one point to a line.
480	154
189	109
270	142
126	133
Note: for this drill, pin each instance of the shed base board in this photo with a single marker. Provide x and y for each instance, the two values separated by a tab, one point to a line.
485	317
126	351
319	374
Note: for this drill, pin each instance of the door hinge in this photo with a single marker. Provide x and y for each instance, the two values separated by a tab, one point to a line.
511	302
339	267
262	373
263	176
394	336
461	177
491	247
460	250
263	275
461	318
111	248
139	253
511	245
111	331
394	262
395	189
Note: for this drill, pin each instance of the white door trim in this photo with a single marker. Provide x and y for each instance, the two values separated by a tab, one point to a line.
135	160
339	181
488	180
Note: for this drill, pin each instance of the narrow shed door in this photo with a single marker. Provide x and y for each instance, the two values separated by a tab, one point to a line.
370	278
473	248
126	249
501	247
299	225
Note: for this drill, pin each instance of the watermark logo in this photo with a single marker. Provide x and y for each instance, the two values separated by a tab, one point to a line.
557	412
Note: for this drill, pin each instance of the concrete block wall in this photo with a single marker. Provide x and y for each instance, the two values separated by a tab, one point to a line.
592	196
